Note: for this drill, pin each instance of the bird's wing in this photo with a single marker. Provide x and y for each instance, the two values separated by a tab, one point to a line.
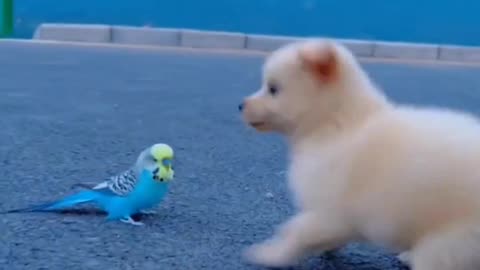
119	185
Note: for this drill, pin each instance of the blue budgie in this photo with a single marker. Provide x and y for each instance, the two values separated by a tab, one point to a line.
136	190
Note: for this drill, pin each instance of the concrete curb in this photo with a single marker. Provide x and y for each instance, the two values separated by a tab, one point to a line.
95	33
144	36
190	38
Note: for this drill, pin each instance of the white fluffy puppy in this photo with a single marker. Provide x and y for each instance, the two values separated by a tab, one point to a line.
363	168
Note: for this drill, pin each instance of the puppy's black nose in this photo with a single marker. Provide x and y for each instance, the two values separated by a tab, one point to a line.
240	107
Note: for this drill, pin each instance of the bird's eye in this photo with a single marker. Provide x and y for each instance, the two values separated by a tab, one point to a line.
272	89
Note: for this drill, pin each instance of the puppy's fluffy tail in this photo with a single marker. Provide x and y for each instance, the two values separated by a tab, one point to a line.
457	248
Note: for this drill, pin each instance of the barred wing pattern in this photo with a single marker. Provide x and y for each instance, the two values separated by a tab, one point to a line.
123	183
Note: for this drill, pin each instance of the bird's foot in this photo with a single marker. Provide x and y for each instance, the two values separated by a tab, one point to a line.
148	212
129	220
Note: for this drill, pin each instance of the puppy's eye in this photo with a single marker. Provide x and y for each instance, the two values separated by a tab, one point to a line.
272	89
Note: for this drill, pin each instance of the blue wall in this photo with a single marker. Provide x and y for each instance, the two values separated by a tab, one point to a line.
433	21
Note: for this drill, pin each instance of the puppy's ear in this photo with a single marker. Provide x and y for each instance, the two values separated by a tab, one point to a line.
320	60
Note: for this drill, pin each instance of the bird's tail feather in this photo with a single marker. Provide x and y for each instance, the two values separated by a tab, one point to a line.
69	201
83	185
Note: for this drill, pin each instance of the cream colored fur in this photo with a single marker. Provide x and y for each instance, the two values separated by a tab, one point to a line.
364	168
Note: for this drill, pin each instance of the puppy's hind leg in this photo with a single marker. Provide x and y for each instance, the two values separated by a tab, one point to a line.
456	249
303	233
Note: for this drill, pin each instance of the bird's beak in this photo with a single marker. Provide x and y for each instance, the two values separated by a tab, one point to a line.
167	163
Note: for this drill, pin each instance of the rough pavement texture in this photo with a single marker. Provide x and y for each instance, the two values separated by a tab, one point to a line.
71	114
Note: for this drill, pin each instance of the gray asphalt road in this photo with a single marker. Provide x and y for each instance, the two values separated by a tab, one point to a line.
70	114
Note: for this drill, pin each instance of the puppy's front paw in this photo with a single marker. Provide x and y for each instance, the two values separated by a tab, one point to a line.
272	253
405	258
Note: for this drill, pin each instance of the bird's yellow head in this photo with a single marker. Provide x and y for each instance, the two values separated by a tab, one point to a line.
163	157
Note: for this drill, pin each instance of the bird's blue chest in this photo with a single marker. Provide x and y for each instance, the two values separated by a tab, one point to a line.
148	192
